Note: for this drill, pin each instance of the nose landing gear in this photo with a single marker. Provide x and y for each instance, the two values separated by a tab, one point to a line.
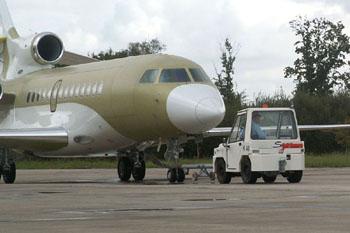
175	172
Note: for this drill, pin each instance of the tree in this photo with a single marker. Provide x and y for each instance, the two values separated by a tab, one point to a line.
318	110
322	64
224	81
343	137
153	46
278	99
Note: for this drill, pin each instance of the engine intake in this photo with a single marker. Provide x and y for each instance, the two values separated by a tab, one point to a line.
47	48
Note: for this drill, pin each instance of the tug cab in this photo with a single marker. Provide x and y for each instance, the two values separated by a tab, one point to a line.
264	142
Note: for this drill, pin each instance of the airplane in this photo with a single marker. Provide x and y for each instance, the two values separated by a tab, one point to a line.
124	105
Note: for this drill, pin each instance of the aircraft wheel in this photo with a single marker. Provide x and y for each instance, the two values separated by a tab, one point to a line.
248	177
124	168
223	176
180	175
212	176
139	172
172	175
9	175
294	176
269	179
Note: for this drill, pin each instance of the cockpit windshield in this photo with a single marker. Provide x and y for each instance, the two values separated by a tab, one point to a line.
199	75
273	125
150	76
174	76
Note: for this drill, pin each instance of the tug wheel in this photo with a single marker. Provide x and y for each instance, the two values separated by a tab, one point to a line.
220	169
248	177
294	176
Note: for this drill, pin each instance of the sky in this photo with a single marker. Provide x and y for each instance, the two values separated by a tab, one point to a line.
195	29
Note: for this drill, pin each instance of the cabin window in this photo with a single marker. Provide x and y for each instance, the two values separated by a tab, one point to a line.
150	76
40	94
49	94
66	92
71	91
199	75
60	93
82	90
94	89
88	89
77	89
28	96
100	88
33	97
174	76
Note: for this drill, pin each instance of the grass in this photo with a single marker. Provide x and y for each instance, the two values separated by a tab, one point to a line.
105	163
312	160
328	160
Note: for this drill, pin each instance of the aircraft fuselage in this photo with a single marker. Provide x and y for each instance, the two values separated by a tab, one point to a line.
104	107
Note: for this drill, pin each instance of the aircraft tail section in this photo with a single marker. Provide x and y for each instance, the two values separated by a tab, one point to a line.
23	55
9	31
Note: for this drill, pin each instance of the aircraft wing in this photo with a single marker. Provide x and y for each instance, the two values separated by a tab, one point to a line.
45	139
323	127
225	131
218	132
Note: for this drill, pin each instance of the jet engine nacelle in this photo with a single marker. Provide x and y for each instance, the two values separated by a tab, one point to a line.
47	48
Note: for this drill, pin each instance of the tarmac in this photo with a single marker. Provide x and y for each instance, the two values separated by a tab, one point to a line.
95	201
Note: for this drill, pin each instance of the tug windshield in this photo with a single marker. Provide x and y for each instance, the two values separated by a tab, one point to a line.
272	125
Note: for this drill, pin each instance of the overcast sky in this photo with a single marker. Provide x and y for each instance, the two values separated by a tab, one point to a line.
190	28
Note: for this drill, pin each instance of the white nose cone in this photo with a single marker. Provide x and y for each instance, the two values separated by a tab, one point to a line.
195	108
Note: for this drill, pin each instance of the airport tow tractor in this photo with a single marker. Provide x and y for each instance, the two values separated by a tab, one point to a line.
264	142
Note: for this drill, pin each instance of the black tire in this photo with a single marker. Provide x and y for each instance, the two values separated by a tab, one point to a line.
269	179
248	177
220	169
9	175
138	173
180	175
124	169
212	176
294	176
172	175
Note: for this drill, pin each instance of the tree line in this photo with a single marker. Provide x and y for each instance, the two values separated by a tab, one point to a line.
321	73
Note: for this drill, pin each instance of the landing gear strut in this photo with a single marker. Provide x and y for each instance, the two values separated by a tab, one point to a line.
132	165
7	167
176	172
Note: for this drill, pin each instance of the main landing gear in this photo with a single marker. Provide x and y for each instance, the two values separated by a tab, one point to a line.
134	166
7	167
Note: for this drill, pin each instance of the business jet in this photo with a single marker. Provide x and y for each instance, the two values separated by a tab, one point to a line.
124	105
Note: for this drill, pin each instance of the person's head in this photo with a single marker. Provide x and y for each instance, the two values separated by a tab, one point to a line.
257	117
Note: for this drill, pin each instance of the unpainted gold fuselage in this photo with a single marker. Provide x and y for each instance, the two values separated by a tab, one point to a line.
112	89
